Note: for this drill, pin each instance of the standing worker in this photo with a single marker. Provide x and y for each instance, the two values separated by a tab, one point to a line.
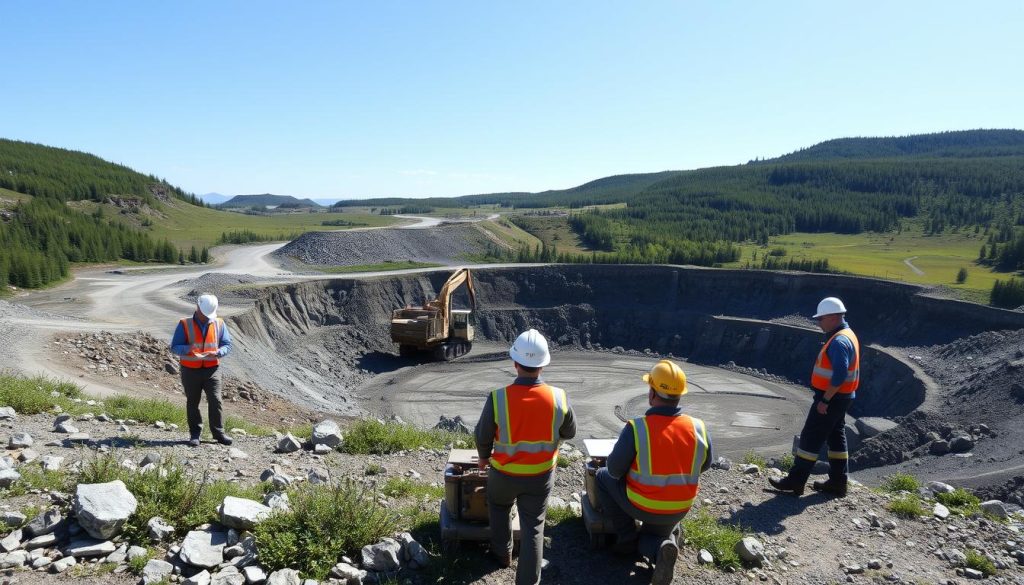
653	472
835	379
199	341
518	434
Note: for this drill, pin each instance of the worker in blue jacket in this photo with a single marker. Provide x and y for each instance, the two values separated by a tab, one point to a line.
199	342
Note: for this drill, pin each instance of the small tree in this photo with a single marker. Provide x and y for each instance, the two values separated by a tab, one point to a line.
961	276
204	257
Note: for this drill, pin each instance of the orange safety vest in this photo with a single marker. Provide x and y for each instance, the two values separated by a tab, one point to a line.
821	376
199	344
528	419
670	452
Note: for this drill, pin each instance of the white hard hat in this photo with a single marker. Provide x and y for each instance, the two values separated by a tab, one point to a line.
830	306
530	349
208	305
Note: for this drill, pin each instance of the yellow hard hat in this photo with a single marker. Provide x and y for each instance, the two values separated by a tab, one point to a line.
668	378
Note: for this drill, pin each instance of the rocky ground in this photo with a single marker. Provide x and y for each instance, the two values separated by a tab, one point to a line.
442	245
811	539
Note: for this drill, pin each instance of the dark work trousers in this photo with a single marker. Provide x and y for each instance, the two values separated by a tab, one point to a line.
196	381
819	429
655	528
530	494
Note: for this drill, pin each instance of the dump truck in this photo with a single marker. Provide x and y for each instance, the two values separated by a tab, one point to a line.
435	326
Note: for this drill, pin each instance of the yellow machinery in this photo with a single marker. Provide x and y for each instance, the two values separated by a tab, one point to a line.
435	326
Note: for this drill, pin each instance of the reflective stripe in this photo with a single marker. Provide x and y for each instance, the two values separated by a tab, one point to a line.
664	506
499	398
523	468
556	421
806	455
700	447
524	447
838	455
664	480
642	442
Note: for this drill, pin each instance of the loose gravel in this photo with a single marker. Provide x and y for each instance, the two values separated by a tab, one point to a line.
444	244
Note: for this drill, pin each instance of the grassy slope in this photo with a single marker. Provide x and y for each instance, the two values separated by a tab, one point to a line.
187	225
8	198
882	255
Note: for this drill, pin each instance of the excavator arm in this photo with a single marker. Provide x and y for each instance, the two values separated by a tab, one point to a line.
443	302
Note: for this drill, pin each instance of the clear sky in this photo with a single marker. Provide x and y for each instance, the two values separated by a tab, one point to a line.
363	99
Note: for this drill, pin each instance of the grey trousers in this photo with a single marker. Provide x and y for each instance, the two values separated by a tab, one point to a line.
530	494
655	528
197	381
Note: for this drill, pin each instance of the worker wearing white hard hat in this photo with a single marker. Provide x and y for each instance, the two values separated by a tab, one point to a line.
834	379
199	342
517	439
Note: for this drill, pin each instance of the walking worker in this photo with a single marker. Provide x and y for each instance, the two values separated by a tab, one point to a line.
653	472
199	342
835	379
518	435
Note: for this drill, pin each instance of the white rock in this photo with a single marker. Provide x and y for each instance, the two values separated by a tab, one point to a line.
11	542
939	511
7	413
241	513
996	508
236	453
158	529
228	576
89	548
135	552
41	541
348	574
284	577
8	477
200	578
276	500
17	558
328	433
44	523
41	562
288	444
11	518
65	427
156	571
52	462
750	550
869	426
19	441
321	449
203	548
937	487
61	565
254	575
103	508
704	557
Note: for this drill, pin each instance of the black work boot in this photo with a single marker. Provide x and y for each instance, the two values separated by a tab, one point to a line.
833	487
665	563
787	484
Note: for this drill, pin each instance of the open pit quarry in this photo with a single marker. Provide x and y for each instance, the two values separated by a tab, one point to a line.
933	369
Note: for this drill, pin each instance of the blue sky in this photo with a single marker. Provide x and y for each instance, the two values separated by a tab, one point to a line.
364	99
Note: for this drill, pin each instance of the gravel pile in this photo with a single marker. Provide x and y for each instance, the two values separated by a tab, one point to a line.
442	245
222	285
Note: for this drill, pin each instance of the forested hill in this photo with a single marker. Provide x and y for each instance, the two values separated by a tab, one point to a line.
959	144
40	234
267	199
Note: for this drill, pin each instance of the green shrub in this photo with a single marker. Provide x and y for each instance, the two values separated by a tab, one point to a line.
701	530
373	437
901	482
400	487
786	462
138	563
558	514
960	502
979	562
34	395
324	523
908	506
562	461
374	469
755	458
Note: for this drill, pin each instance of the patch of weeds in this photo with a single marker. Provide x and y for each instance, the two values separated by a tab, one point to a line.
138	563
960	501
368	437
786	462
35	395
562	461
421	521
324	522
979	562
30	513
901	482
401	487
304	432
908	506
701	530
558	514
755	458
374	469
34	477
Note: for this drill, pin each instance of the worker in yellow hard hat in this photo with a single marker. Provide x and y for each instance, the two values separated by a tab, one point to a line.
652	472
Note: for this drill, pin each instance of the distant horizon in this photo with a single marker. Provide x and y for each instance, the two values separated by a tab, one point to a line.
446	99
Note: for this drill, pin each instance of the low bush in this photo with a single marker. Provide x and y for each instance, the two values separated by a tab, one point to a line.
908	506
35	395
755	458
558	514
138	563
901	482
786	462
979	562
401	487
324	523
374	437
702	531
960	502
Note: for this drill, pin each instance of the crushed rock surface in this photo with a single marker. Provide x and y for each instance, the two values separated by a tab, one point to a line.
442	245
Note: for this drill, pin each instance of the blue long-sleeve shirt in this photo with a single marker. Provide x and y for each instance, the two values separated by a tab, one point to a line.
620	460
841	352
180	346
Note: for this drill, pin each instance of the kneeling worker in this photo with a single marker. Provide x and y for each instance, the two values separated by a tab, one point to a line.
518	434
653	471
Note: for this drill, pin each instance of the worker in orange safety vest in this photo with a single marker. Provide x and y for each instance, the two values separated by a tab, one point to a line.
517	439
834	379
199	342
652	474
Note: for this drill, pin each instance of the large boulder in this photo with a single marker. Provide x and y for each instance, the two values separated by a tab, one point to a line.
203	548
156	571
961	444
383	556
103	508
19	441
328	433
284	577
869	426
242	514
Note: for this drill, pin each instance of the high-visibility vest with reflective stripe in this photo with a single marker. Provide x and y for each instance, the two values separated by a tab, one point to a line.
528	419
670	451
200	344
821	376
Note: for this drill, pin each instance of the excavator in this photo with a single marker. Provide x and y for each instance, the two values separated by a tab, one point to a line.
435	326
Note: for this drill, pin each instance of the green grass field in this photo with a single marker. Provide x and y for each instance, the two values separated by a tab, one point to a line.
939	258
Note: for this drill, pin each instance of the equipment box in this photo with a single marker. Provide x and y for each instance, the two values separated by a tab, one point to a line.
465	486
